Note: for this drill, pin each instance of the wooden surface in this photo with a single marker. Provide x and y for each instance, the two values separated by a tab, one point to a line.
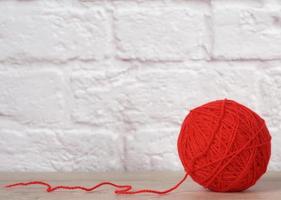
268	187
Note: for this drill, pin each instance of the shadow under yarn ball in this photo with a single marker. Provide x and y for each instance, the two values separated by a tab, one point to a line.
224	146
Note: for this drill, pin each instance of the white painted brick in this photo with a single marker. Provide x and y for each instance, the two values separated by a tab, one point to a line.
165	96
33	33
271	3
161	34
60	150
270	95
270	105
32	97
98	98
142	97
152	148
238	4
246	33
91	85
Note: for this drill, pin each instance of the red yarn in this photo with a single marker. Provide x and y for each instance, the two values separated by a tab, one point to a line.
123	189
223	146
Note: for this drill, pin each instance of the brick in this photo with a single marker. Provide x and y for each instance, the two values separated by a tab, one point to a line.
97	98
270	106
238	4
157	96
59	150
32	97
90	85
163	34
165	96
245	33
152	148
52	35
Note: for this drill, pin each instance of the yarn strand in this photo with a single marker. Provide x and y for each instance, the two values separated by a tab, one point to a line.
120	189
223	145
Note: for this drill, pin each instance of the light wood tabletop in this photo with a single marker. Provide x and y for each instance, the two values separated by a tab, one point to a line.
268	187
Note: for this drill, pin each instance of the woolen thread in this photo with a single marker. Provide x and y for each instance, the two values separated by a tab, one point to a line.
224	146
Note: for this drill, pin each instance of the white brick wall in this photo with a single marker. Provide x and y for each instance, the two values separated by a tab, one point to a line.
105	84
160	34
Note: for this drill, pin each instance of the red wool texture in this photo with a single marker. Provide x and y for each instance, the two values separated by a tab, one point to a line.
223	145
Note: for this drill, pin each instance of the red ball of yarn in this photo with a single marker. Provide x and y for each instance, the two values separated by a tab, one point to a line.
224	146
